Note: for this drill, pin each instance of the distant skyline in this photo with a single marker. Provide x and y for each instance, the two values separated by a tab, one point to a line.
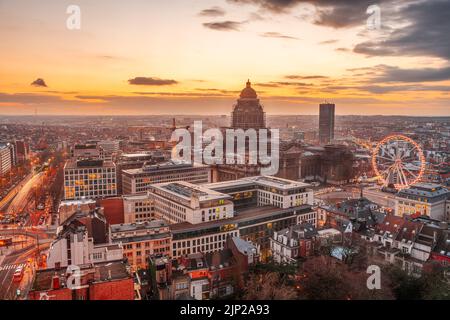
193	57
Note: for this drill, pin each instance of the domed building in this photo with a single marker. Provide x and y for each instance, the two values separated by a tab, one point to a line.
248	112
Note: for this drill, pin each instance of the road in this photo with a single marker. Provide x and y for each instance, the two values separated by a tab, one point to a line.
8	287
22	198
381	198
7	199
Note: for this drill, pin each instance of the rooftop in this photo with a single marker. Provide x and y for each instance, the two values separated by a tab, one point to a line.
269	181
299	231
126	227
243	216
425	190
76	202
138	196
244	246
89	163
186	191
101	272
168	165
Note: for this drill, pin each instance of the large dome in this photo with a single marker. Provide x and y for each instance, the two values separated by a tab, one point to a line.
248	92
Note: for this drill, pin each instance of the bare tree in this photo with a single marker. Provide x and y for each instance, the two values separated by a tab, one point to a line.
268	286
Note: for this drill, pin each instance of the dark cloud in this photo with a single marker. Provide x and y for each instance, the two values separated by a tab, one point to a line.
377	89
387	89
342	49
385	73
331	41
331	13
255	16
272	5
223	91
62	92
149	81
212	12
39	83
425	32
277	35
300	77
276	84
31	98
395	74
223	25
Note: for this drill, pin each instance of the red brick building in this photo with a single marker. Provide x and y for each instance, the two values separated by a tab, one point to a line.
107	281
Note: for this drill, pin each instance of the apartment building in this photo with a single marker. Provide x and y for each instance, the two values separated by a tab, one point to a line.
290	244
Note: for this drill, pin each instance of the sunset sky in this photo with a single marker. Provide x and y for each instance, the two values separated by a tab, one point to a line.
194	56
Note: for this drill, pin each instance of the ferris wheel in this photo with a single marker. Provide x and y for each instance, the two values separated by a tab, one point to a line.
398	160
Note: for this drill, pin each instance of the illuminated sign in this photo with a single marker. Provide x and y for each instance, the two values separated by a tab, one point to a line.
228	227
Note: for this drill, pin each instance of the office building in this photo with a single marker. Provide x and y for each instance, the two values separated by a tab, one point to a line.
85	151
139	180
136	161
259	206
110	147
5	159
137	208
326	123
427	199
140	240
22	150
182	201
89	179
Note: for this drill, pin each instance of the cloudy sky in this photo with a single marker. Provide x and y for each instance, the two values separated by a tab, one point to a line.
194	56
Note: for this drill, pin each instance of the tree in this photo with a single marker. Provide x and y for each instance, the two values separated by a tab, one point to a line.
325	278
285	270
434	282
404	286
358	258
268	286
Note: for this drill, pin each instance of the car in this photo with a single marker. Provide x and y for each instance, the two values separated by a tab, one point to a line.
18	274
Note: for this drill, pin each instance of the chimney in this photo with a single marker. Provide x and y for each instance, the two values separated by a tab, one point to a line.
55	282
